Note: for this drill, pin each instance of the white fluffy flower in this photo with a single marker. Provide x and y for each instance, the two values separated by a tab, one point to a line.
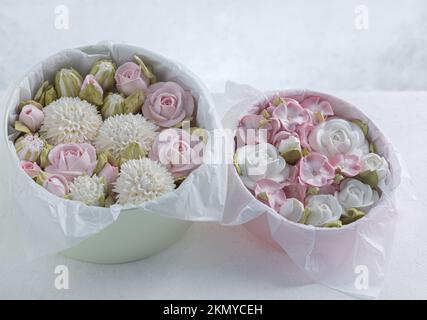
338	136
323	209
292	209
260	161
70	120
89	190
356	194
373	162
142	180
119	131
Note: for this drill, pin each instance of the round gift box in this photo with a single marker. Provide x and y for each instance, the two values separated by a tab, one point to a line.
135	234
261	226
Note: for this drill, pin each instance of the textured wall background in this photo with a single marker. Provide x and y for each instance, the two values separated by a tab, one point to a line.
268	44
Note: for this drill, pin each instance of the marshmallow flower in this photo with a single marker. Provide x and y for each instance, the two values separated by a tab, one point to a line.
119	131
292	209
30	168
70	120
356	194
349	165
322	209
315	170
260	161
142	180
71	160
89	190
168	104
270	192
178	150
338	136
32	117
374	162
291	114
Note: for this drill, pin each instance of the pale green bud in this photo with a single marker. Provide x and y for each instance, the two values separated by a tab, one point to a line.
146	70
44	159
46	94
114	103
132	151
19	126
104	71
68	83
133	103
369	177
352	215
333	224
91	91
361	125
102	161
305	215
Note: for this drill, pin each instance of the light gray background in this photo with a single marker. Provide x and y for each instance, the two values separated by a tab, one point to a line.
269	45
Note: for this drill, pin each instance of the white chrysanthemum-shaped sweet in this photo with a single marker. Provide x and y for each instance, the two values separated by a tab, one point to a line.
70	120
142	180
87	189
119	131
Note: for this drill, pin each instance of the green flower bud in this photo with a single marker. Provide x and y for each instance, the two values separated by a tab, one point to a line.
278	100
109	201
113	104
338	178
352	215
368	177
134	102
19	126
41	177
362	125
290	150
371	148
312	191
46	94
29	147
68	83
200	133
104	71
179	180
333	224
132	151
147	71
44	159
102	161
305	215
91	91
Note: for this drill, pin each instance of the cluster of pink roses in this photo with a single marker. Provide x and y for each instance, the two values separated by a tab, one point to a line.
307	164
166	105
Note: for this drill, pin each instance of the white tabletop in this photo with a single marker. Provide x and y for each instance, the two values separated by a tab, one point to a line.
279	44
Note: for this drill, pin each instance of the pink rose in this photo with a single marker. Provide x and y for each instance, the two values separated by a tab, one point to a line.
167	104
349	165
31	168
270	192
316	105
56	184
72	160
291	115
180	152
110	174
129	78
315	170
32	117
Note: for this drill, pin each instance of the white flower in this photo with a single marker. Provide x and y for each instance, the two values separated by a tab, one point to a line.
373	162
70	120
119	131
356	194
323	209
291	143
292	209
338	136
260	161
89	190
142	180
29	147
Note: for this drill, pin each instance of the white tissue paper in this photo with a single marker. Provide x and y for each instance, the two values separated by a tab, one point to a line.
352	259
50	224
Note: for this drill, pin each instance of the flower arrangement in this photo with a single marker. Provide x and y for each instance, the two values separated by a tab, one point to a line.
309	165
115	135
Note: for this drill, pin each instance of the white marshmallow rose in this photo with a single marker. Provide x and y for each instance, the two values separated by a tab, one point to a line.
292	209
260	161
356	194
338	136
323	209
374	162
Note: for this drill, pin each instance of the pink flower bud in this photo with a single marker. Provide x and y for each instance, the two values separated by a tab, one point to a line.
57	185
32	117
110	174
129	78
31	168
